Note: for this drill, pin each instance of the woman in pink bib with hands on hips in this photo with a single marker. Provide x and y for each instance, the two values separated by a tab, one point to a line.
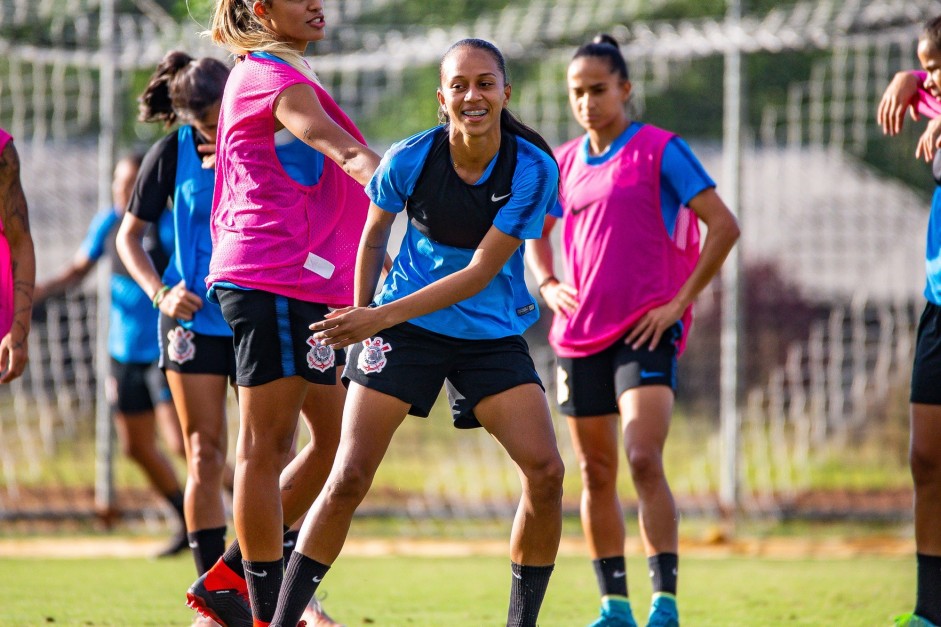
631	196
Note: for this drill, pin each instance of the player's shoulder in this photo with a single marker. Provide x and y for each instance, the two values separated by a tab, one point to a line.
411	149
532	157
418	141
167	143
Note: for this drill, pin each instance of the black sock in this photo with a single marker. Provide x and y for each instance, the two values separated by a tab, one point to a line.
928	599
663	568
264	583
175	499
290	542
611	575
208	545
301	579
233	557
526	594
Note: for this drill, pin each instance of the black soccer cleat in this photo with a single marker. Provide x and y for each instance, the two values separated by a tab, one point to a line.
222	599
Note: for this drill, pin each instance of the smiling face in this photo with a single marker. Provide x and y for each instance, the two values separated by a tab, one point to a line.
930	57
295	22
473	91
597	93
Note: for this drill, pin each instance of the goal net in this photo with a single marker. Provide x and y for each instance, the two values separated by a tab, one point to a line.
832	231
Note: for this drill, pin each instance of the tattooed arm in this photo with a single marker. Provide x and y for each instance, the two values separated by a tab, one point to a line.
13	212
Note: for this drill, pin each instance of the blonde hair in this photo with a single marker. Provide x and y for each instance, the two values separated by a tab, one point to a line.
235	27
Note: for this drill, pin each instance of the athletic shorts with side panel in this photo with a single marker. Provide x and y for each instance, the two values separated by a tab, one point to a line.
272	338
926	370
411	364
187	352
132	388
591	386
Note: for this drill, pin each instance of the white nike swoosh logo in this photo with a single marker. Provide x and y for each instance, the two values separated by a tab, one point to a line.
193	545
263	573
517	576
318	579
618	574
495	198
288	544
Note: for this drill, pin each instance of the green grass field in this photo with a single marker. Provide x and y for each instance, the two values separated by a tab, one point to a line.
442	591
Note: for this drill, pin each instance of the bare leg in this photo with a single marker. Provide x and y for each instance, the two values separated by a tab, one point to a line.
646	413
267	422
138	438
519	420
370	419
168	425
201	402
305	475
595	440
925	461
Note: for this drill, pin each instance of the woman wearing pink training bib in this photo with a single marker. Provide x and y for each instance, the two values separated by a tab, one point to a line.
631	197
288	212
17	265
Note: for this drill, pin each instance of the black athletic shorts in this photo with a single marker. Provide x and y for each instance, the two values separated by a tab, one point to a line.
272	338
411	364
132	388
926	371
591	386
188	352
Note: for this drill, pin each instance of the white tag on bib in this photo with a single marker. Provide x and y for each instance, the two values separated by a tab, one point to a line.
319	265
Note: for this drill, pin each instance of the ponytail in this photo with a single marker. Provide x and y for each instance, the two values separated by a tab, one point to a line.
155	104
513	125
235	27
182	88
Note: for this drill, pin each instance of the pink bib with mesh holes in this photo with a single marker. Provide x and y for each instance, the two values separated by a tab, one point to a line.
6	266
616	250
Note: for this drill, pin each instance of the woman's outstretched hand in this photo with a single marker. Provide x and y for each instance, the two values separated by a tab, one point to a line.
342	327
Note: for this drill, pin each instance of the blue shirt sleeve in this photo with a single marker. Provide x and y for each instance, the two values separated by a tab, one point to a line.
535	191
682	176
398	171
93	246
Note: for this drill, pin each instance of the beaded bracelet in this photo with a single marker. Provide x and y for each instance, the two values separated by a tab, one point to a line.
158	297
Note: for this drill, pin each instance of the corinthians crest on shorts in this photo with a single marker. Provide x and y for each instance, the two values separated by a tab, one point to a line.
373	356
320	356
180	347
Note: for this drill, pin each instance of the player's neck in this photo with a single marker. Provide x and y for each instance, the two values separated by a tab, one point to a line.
600	140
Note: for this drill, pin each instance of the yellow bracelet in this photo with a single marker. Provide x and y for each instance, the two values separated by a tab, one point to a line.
158	297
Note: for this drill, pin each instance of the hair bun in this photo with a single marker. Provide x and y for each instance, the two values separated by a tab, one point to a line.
605	38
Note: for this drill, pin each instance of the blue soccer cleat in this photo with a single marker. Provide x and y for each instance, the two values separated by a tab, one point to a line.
615	612
663	612
912	620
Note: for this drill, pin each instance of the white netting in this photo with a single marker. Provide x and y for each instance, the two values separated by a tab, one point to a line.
847	238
